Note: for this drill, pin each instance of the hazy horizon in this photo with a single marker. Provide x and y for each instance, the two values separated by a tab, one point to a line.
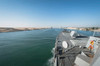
49	13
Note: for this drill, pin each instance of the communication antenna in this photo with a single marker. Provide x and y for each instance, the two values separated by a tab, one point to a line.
93	33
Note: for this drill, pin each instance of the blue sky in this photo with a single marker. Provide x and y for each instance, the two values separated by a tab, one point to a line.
47	13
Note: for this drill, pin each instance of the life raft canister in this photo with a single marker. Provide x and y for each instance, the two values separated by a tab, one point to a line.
91	45
92	42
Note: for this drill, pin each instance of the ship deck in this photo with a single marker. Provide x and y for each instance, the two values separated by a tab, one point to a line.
67	58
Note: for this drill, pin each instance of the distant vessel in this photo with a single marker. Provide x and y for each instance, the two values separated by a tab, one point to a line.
73	49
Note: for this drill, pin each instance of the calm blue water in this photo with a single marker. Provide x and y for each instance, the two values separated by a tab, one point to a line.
28	48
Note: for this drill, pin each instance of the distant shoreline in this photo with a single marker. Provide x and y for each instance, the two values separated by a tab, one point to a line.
4	29
97	29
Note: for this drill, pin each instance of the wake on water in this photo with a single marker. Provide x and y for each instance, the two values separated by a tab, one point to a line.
51	60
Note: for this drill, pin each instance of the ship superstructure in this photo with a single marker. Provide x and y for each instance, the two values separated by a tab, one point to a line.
73	49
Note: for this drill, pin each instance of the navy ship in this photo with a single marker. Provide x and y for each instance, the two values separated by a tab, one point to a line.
73	49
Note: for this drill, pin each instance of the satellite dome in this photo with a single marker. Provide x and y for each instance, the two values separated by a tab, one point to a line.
64	44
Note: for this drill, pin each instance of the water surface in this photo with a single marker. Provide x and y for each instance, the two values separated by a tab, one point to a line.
28	48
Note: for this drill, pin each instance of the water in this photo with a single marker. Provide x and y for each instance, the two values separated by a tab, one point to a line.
28	48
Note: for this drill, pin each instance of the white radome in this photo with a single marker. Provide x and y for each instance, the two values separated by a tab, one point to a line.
64	44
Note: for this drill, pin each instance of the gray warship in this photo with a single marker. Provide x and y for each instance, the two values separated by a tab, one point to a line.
73	49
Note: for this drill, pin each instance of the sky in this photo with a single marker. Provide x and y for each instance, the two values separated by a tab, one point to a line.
49	13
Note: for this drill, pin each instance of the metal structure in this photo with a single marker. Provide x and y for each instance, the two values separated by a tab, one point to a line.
72	49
